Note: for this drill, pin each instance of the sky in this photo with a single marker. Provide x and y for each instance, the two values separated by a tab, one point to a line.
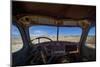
52	31
15	31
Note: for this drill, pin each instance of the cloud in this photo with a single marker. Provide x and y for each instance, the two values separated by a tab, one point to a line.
38	33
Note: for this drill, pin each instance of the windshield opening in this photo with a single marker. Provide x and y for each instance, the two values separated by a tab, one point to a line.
71	34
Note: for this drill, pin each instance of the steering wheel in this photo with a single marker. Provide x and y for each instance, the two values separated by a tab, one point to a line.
41	52
40	49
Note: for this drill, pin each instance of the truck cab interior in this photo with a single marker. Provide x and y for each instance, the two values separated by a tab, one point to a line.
50	33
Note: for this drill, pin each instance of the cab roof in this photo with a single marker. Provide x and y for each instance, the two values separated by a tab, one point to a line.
53	11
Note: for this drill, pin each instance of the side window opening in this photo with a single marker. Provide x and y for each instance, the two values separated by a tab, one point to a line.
16	39
91	42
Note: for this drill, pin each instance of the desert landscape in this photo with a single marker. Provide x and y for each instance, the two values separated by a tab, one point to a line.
17	44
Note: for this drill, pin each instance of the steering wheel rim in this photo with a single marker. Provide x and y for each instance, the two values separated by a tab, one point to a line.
40	38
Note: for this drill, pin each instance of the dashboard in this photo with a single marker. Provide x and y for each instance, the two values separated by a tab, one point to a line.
59	47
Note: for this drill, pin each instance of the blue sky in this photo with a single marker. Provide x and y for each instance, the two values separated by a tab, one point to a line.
14	31
51	31
92	31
